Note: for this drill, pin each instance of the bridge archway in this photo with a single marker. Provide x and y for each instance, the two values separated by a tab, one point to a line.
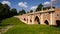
37	19
46	22
58	22
24	19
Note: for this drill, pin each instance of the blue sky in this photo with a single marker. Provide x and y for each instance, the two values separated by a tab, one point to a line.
27	4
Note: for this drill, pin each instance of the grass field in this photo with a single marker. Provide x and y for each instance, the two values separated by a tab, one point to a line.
11	21
21	28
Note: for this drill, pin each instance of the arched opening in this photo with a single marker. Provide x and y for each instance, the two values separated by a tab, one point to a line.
24	19
30	20
37	19
46	22
58	22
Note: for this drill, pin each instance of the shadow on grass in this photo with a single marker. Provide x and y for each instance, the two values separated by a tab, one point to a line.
57	26
0	23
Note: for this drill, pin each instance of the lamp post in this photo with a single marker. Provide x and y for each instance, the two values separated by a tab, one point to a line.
42	9
51	4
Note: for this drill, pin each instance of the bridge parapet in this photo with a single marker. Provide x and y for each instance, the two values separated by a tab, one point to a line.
40	12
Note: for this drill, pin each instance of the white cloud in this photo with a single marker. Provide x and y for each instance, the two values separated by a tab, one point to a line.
6	2
33	8
47	3
55	1
23	4
52	0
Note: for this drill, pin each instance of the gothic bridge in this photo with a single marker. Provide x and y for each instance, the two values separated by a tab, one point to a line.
39	17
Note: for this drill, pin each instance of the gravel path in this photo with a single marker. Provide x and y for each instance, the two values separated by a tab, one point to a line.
5	29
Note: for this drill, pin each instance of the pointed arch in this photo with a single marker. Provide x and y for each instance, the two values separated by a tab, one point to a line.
58	22
24	19
46	22
37	19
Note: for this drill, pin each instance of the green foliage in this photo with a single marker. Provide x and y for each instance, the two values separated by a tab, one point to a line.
39	8
27	12
1	8
13	11
31	11
5	11
48	7
22	12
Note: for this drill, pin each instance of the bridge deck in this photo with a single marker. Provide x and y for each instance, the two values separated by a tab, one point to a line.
45	11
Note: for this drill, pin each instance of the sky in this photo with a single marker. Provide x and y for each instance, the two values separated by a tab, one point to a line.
29	4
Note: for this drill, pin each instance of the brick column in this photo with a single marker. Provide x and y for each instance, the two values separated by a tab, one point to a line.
32	19
51	18
42	22
28	19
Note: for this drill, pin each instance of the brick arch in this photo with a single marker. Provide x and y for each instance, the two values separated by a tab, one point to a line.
46	22
58	22
24	19
36	19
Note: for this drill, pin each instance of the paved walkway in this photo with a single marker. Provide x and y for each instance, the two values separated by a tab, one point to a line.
5	29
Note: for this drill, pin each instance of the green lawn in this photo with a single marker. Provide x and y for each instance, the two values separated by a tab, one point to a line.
11	21
21	28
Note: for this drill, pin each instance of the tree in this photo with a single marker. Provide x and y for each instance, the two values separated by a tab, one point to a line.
49	7
1	8
39	8
31	11
13	12
27	12
22	12
5	11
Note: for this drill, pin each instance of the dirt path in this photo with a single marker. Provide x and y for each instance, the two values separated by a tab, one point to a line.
5	29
